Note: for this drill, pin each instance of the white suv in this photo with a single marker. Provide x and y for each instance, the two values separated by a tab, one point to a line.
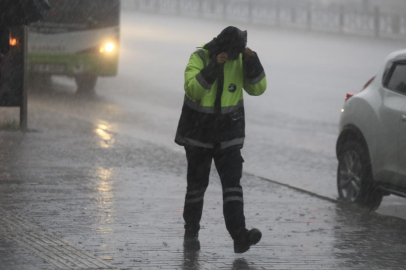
371	147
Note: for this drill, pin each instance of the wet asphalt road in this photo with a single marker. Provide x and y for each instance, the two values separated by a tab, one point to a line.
291	129
74	195
103	173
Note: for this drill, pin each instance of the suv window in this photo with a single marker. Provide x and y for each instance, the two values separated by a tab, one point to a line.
396	79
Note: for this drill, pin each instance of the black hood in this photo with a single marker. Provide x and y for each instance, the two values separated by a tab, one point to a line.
231	40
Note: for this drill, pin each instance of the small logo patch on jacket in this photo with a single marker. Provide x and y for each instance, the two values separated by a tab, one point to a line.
232	88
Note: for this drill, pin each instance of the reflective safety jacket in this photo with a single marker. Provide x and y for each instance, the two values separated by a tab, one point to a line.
213	111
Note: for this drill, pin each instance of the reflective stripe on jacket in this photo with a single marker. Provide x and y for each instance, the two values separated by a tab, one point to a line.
213	110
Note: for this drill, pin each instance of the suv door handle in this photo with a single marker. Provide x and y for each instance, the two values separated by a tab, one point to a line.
404	118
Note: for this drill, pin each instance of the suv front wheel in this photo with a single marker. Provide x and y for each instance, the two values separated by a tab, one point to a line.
354	177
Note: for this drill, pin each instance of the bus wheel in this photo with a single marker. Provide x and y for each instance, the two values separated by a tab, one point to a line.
40	81
86	83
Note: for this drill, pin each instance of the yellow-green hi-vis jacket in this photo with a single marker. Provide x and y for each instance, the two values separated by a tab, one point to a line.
213	111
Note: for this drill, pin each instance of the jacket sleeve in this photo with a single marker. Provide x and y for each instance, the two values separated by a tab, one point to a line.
198	78
254	77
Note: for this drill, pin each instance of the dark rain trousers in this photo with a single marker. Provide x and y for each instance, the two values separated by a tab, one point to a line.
229	166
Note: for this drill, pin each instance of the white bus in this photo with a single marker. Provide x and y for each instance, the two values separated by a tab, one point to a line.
79	39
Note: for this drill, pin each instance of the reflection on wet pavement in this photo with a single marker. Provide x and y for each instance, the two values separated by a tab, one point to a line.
121	199
106	139
368	241
122	204
191	259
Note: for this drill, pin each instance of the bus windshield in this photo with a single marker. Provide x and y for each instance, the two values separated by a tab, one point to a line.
81	14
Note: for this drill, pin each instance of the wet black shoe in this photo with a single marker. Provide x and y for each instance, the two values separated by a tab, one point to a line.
191	240
246	240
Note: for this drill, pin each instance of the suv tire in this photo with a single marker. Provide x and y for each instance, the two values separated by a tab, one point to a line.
354	177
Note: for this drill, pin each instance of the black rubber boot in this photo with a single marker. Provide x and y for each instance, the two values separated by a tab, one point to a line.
191	240
246	240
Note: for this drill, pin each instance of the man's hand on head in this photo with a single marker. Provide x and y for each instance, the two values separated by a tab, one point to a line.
249	54
222	58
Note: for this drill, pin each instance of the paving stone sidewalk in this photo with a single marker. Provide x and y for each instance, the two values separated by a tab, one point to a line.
74	195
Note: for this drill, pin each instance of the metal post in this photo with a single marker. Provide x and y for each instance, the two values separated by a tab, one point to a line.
212	7
341	19
309	16
377	21
225	2
178	6
395	24
200	8
24	54
250	15
293	15
278	13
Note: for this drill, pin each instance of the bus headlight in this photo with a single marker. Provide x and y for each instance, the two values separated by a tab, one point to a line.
109	47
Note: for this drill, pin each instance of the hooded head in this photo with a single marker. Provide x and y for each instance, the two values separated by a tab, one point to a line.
231	40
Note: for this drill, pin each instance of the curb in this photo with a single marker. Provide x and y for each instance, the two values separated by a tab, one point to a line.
325	198
301	190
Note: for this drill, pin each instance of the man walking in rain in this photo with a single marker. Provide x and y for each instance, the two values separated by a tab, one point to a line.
212	126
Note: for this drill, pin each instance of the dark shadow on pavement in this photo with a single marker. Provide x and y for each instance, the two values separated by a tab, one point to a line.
56	93
191	261
191	258
241	264
51	89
